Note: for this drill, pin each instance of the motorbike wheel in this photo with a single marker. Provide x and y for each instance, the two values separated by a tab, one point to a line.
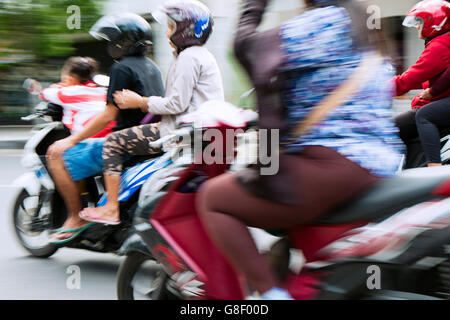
35	242
141	278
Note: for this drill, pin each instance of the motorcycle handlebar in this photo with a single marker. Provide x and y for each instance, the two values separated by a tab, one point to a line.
30	117
42	115
46	111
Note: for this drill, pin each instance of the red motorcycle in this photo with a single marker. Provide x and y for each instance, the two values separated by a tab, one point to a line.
393	242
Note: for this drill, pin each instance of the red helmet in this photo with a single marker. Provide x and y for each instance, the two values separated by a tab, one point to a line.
434	14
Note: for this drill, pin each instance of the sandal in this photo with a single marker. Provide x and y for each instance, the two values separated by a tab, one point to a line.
76	233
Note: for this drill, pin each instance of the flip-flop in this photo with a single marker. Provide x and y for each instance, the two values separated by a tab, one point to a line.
76	232
96	219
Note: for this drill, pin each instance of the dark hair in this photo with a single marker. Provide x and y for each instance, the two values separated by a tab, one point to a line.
84	68
364	37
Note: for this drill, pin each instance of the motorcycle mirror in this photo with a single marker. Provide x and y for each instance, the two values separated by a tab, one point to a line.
101	80
245	96
32	86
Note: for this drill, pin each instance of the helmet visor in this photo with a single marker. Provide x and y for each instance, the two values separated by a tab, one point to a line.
412	22
160	16
105	29
187	9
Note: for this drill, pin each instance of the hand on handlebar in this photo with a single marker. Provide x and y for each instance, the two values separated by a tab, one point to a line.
32	86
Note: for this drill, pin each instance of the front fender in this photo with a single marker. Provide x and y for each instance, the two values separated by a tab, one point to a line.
28	181
132	244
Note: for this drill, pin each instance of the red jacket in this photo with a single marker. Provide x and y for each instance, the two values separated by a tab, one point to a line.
433	61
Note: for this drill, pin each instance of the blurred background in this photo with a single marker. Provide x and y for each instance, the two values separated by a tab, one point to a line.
35	41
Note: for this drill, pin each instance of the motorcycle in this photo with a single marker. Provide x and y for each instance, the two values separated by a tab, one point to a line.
140	274
392	242
39	209
415	157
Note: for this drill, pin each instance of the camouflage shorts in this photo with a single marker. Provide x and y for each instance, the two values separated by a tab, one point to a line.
132	141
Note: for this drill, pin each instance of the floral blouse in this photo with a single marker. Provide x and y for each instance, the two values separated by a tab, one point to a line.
319	56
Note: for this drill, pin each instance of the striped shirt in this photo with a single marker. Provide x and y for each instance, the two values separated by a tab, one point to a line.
80	103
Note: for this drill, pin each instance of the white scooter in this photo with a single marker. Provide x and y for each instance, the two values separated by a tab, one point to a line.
39	209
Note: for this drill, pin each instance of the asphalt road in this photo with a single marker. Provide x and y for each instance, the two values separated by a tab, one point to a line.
25	277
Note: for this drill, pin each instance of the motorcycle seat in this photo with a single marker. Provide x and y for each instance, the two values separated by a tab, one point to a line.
444	132
134	160
390	195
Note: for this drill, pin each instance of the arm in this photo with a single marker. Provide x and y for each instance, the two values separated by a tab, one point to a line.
261	56
51	94
428	66
181	90
186	77
441	85
100	122
246	33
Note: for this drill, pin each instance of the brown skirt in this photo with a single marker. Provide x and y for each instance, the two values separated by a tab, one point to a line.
320	178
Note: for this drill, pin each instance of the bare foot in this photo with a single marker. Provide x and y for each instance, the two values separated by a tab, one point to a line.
106	213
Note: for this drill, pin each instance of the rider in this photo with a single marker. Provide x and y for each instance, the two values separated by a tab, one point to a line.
73	159
348	144
80	98
432	117
432	19
193	78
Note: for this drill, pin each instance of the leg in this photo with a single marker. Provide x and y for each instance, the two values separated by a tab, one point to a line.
110	212
132	141
406	123
429	119
76	164
68	190
226	208
231	234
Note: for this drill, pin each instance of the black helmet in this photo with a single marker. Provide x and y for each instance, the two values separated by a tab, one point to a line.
128	34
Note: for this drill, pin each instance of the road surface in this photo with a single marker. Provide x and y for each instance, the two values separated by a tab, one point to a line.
24	277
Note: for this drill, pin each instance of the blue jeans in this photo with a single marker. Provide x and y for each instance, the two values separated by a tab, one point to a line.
85	159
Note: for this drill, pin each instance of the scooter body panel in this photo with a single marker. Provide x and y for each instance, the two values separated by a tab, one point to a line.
133	178
176	221
29	182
